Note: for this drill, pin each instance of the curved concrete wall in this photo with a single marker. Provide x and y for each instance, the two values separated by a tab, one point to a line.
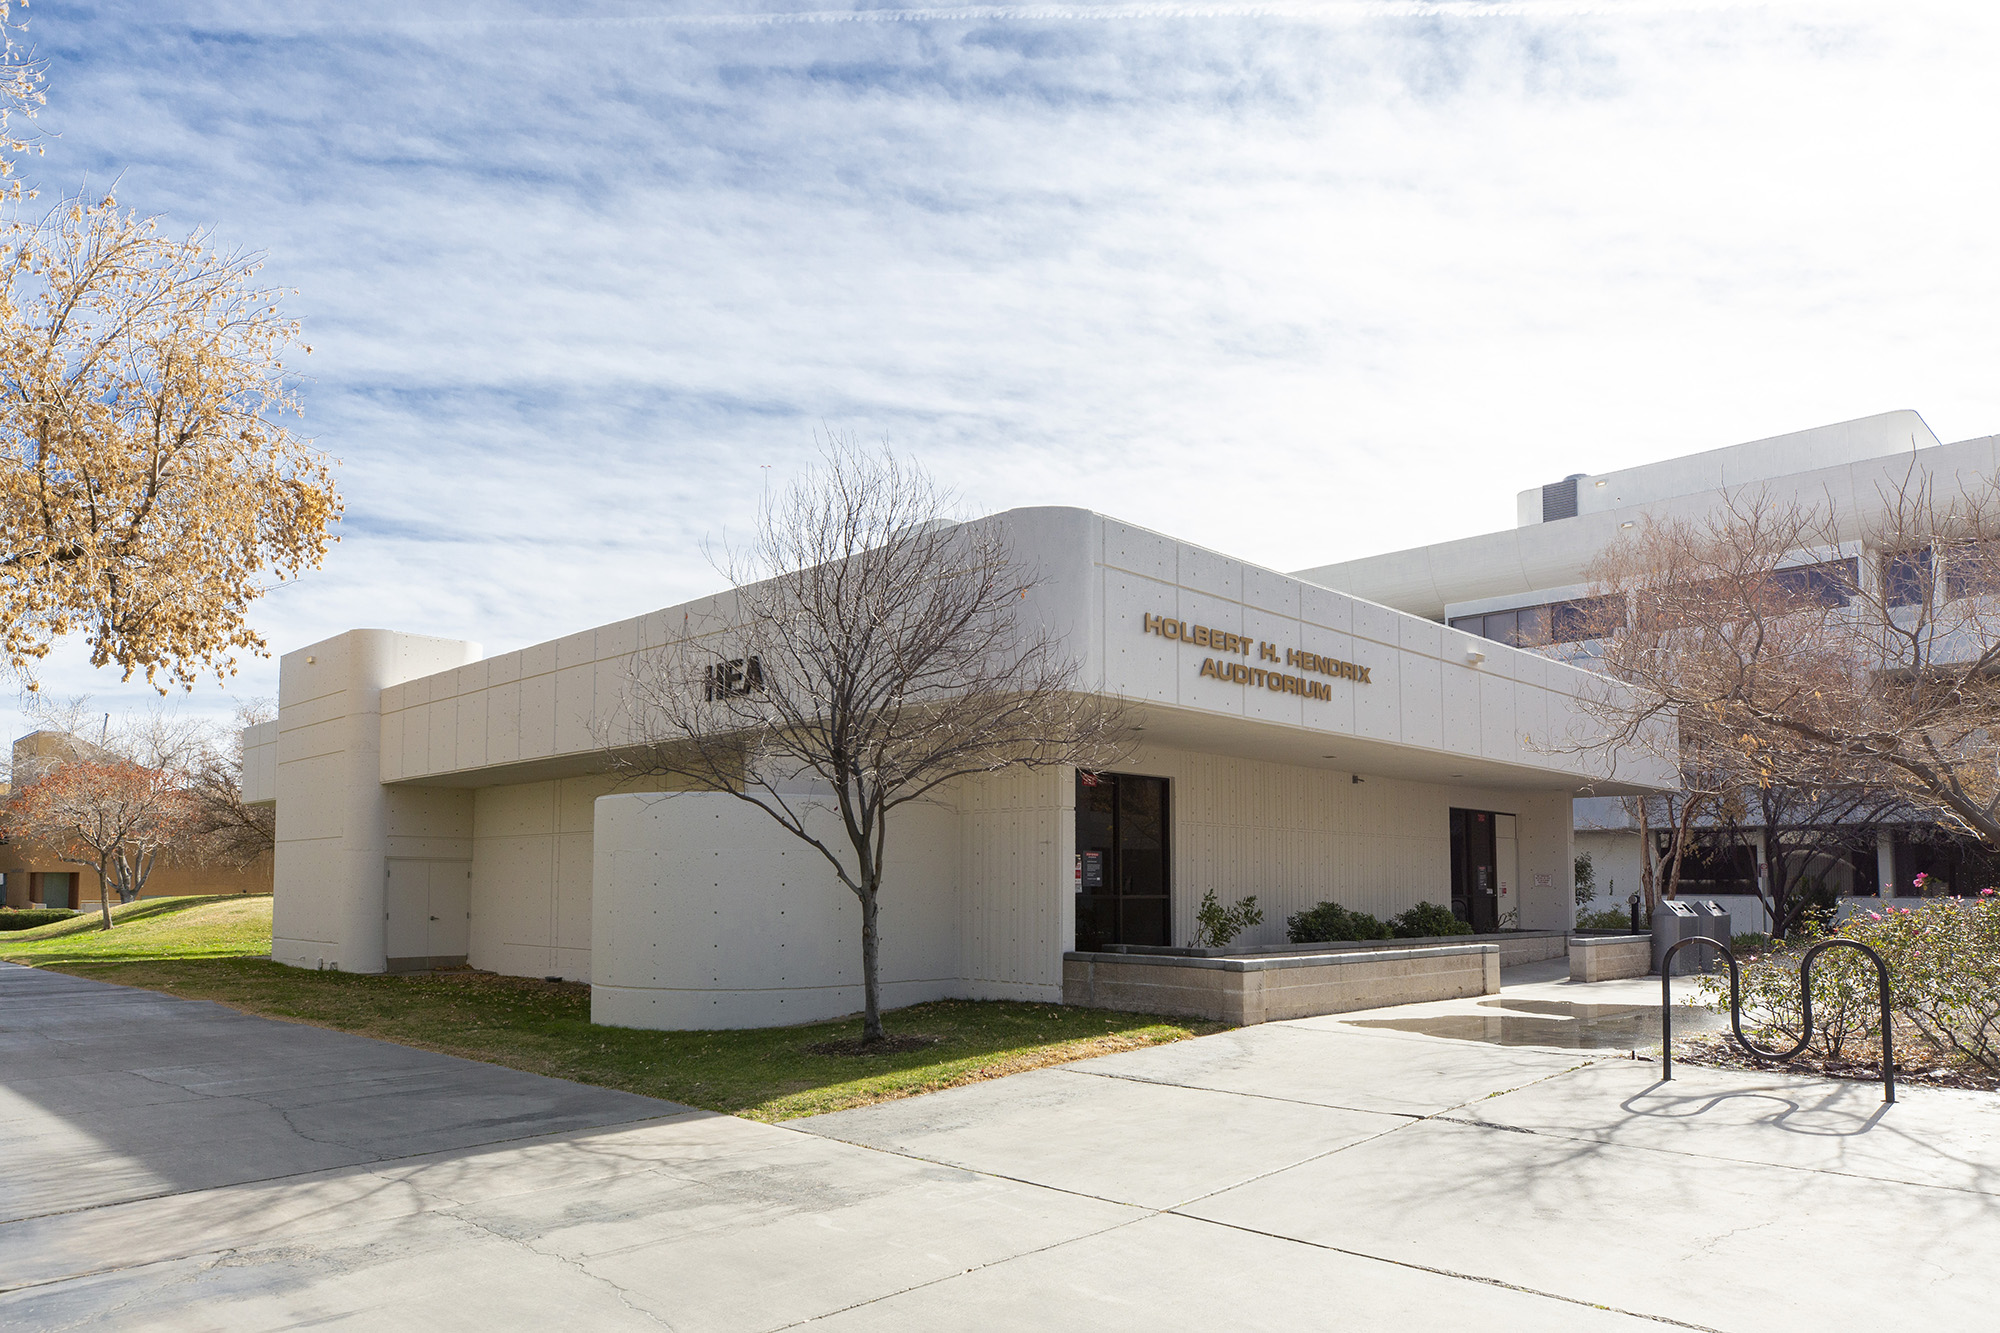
706	914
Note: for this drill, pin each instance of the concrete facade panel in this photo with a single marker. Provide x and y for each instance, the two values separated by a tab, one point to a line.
1141	551
1499	732
1421	703
1460	689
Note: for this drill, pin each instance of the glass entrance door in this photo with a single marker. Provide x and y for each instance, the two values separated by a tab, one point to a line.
1122	893
1475	869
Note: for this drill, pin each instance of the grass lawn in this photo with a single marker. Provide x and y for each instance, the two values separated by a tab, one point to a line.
544	1027
224	926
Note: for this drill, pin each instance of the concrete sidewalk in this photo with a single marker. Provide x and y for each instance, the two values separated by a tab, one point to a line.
1310	1173
110	1094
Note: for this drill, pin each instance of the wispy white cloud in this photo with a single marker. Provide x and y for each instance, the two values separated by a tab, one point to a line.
1298	281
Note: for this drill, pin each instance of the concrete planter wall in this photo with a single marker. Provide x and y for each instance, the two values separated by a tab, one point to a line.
1268	988
1516	947
1609	957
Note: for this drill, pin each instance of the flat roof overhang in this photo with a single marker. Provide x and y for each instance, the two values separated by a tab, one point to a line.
1249	738
1189	729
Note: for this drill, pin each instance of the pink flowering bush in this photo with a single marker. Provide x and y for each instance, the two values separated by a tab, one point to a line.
1943	956
1944	969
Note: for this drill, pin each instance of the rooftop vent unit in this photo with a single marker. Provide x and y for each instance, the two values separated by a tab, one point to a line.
1559	498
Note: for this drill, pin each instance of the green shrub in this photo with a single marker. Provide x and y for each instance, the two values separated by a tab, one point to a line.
1944	970
1331	923
1425	920
1844	1004
1608	918
1748	944
1216	925
1944	979
12	919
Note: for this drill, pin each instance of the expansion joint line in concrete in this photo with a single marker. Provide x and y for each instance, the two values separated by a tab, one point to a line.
207	1262
975	1268
1463	1277
1413	1116
1174	1210
456	1210
363	1166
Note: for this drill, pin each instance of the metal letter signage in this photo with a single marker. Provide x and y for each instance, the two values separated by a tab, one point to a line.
742	675
1206	636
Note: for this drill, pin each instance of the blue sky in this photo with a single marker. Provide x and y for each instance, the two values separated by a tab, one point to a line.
1297	281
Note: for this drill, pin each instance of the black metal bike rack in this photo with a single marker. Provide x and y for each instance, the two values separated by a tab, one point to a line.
1736	1011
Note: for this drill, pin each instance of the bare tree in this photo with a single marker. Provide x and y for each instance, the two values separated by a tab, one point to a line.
225	829
873	652
1670	823
1805	826
1811	649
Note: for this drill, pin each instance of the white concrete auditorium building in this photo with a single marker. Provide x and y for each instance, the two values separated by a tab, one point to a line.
1298	744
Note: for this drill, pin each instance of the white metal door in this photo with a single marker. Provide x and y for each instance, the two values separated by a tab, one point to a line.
428	903
1507	868
451	902
407	932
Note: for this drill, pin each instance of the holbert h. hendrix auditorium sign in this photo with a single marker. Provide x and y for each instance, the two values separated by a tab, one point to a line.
1203	636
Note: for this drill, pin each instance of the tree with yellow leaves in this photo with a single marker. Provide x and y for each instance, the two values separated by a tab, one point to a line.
148	482
149	487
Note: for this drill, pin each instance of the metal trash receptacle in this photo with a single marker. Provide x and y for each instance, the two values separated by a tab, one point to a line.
1674	921
1715	925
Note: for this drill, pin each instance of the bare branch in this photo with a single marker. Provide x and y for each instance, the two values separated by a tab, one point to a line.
871	652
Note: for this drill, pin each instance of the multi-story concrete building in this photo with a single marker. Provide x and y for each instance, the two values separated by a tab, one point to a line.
1528	587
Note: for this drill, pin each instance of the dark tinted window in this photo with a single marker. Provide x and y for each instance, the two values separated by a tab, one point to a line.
1585	618
1972	570
1829	583
1906	578
1548	622
1713	864
1533	626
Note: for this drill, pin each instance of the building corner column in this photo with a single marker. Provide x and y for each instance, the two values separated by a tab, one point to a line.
331	860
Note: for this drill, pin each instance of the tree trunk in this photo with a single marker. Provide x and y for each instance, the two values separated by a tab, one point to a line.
104	893
1778	875
871	988
1648	881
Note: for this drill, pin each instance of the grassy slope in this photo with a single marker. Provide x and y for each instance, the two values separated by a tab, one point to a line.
544	1027
227	925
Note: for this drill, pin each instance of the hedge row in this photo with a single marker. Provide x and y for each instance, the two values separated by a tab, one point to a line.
14	919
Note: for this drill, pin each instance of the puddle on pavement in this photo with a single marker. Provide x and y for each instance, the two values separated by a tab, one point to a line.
1563	1023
